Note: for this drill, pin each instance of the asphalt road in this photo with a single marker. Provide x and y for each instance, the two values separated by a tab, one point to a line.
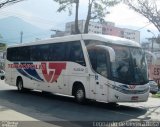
54	110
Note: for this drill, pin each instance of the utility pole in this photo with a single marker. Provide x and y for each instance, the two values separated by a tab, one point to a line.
153	39
21	37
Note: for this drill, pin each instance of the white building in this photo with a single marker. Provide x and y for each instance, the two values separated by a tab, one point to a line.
131	34
107	28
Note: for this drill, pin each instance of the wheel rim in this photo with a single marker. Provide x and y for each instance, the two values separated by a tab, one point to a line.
80	94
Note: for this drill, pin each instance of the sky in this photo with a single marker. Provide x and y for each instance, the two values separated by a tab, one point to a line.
43	13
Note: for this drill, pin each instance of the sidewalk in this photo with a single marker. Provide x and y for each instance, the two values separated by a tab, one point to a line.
11	115
11	118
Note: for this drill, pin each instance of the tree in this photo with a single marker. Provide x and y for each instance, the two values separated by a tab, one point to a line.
68	4
8	2
147	8
97	9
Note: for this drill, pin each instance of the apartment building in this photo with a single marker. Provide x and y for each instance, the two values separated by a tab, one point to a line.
93	27
121	32
131	34
107	28
111	30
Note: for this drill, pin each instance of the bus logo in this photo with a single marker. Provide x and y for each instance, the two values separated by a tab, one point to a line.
55	70
132	86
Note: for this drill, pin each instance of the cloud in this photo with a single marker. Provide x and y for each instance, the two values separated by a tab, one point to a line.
37	12
43	13
122	15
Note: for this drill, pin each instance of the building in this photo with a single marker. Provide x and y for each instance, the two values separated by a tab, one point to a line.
111	30
131	34
93	27
58	34
107	28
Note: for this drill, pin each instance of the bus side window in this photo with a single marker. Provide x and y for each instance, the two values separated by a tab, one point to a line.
92	56
76	53
57	52
98	60
102	63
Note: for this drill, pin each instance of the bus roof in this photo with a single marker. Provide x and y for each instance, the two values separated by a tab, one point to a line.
98	37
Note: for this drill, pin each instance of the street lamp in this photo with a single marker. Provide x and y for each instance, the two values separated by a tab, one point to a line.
56	32
154	37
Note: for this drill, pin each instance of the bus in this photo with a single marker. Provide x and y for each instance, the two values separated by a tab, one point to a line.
86	66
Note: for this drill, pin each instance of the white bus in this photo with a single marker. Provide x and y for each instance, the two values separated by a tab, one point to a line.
86	66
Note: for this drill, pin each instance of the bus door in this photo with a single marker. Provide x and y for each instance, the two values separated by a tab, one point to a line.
99	63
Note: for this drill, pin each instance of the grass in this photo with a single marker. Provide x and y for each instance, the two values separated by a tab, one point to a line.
156	95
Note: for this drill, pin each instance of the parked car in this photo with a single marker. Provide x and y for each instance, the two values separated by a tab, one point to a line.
153	87
2	74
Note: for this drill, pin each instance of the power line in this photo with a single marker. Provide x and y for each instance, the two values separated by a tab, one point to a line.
144	26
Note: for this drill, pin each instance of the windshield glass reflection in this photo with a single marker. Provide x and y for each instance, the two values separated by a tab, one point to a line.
129	66
121	67
139	65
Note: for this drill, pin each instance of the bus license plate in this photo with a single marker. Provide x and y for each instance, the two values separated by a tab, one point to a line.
134	98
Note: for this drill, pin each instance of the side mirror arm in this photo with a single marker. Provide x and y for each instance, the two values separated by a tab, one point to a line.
111	51
154	58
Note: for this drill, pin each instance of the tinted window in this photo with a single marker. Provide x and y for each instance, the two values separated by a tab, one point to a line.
98	59
70	51
101	62
9	54
18	54
76	53
24	53
92	56
57	52
39	53
46	52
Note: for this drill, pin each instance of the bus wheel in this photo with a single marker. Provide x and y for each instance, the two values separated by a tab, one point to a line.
20	85
80	94
2	78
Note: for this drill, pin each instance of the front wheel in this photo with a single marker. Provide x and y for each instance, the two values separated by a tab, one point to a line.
80	95
2	78
20	85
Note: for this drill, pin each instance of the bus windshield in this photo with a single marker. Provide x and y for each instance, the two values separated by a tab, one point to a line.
130	65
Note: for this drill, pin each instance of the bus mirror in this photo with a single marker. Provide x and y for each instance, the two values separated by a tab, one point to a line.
110	51
152	56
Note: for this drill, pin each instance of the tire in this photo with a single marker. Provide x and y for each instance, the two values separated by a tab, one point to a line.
112	104
80	95
2	78
20	85
46	93
153	92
